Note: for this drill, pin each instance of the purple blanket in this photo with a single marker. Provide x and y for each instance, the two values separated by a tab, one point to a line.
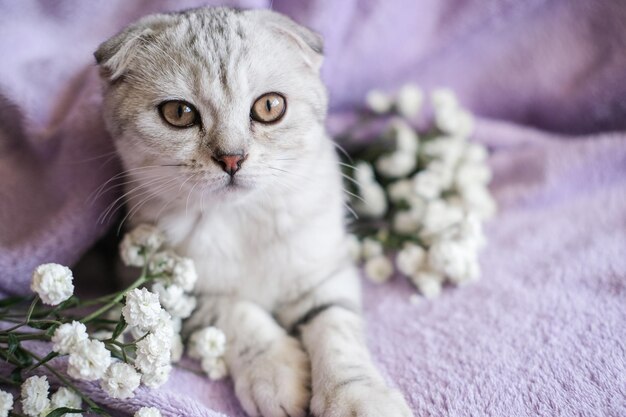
543	333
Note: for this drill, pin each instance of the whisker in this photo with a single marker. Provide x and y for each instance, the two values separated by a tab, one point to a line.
343	151
358	197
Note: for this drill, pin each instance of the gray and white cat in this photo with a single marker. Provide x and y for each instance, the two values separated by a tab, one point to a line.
218	116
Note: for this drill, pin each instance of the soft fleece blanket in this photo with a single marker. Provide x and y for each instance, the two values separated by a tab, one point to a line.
542	334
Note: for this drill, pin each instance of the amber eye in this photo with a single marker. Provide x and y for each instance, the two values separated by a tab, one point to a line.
268	108
178	113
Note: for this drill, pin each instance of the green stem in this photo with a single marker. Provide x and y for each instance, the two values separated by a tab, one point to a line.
63	379
25	336
31	309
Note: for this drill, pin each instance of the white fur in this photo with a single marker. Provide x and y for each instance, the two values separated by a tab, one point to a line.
271	251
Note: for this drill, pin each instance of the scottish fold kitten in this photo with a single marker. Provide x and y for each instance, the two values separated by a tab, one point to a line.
218	116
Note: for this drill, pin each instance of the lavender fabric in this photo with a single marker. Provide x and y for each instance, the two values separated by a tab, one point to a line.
542	334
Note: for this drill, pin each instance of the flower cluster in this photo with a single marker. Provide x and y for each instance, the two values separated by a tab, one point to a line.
422	195
208	345
127	339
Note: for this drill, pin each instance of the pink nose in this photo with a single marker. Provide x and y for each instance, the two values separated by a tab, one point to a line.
230	163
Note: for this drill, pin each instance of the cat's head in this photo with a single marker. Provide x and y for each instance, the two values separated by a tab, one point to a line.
224	100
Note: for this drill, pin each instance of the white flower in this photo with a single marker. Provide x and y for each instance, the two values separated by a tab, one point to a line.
439	216
148	412
409	100
475	153
6	403
35	396
454	259
428	283
174	300
68	336
215	368
88	360
410	258
53	283
65	397
406	222
140	242
478	200
142	308
209	342
444	171
445	149
405	136
364	173
469	174
401	190
120	381
354	247
427	184
454	121
176	351
378	269
180	271
443	97
371	248
378	102
152	353
396	164
157	377
372	202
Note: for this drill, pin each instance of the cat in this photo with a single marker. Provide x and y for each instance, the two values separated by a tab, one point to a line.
218	116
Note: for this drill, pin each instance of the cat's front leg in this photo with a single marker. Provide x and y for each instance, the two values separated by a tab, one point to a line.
271	372
345	382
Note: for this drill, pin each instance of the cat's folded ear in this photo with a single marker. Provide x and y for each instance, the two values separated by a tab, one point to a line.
115	55
310	43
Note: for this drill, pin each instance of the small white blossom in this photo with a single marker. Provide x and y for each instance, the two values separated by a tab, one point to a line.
410	259
469	174
406	138
89	360
445	149
400	190
454	259
6	403
378	269
120	381
148	412
68	336
174	300
215	368
371	248
66	398
378	102
180	271
53	283
405	222
35	396
141	308
364	173
396	164
444	171
428	283
177	348
475	152
372	202
409	100
140	242
439	216
478	200
354	247
157	377
443	97
152	353
427	184
209	342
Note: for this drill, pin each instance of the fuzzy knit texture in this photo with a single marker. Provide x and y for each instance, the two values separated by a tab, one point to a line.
543	333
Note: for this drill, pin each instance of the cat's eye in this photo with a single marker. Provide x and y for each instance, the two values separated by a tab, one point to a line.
178	113
268	108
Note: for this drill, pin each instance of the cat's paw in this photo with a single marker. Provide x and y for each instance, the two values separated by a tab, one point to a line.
361	398
276	381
